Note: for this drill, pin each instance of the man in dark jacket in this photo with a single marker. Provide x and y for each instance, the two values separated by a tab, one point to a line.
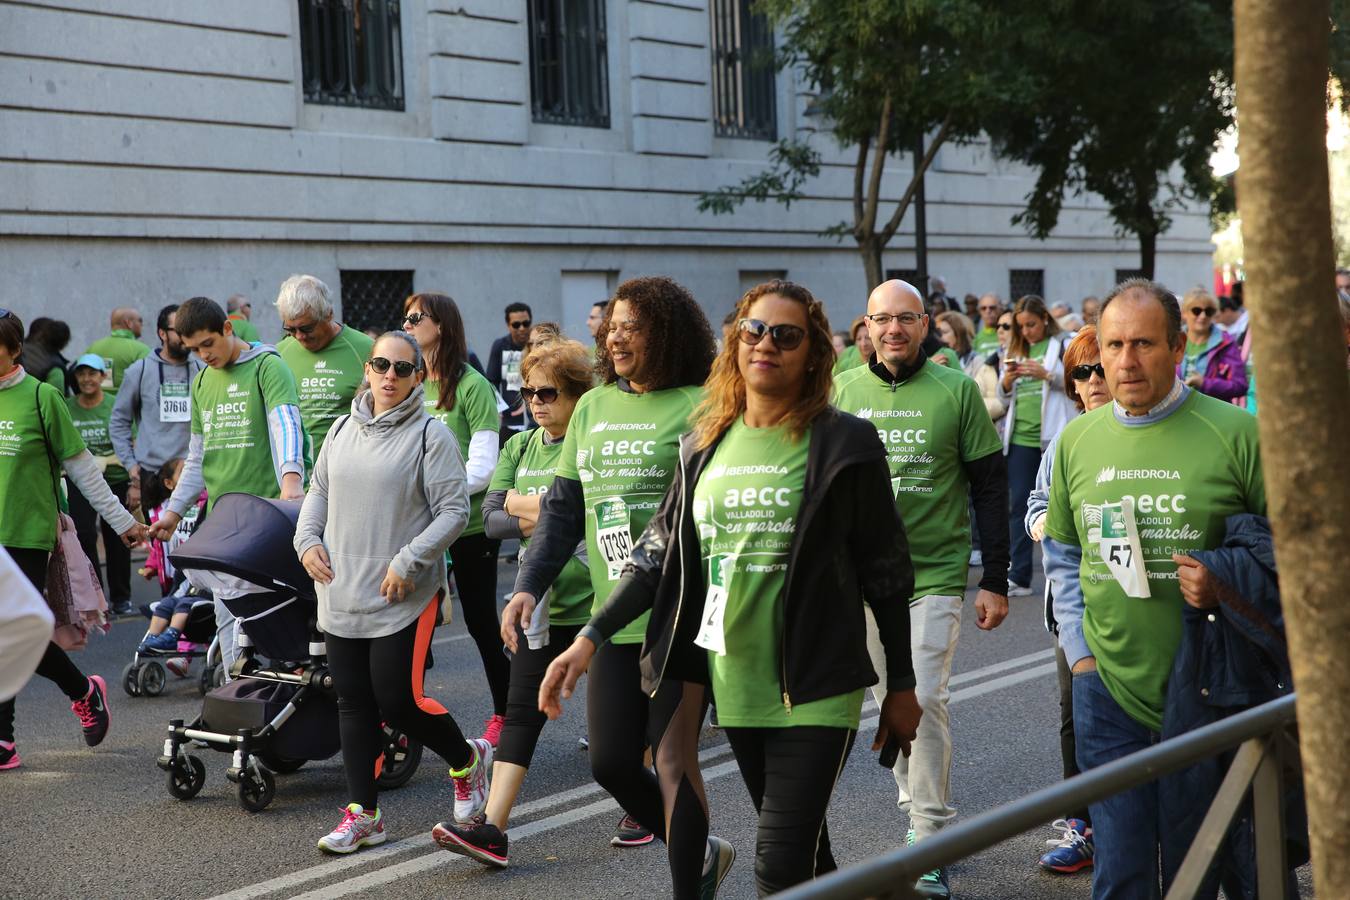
503	367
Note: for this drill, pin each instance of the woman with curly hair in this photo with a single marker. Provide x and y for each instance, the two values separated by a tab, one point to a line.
617	460
754	572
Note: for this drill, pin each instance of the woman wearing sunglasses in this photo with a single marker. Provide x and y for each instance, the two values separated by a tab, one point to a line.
553	377
386	499
1213	362
1086	387
463	400
755	569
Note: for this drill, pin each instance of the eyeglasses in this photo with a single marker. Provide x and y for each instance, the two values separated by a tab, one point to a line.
884	319
306	330
1084	372
413	318
785	337
525	324
402	368
989	309
1004	326
1199	311
544	394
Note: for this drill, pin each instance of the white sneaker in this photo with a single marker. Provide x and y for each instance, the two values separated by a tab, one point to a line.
357	829
471	783
976	559
1018	590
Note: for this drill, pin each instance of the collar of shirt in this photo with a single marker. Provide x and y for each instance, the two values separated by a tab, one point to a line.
1175	397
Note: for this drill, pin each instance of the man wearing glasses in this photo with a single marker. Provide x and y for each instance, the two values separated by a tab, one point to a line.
986	339
942	448
503	367
326	357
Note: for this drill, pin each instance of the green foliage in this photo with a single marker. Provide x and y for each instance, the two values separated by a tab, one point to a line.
791	163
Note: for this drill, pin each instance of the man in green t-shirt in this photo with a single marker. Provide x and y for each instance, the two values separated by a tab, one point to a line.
121	347
246	428
1137	486
326	357
942	449
986	339
240	315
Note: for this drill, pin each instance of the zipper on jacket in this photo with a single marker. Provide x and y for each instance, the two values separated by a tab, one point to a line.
679	530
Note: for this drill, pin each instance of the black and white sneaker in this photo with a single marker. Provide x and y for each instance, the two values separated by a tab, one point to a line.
92	711
482	841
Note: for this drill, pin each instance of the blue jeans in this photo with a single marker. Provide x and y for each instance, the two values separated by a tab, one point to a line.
1023	463
1126	827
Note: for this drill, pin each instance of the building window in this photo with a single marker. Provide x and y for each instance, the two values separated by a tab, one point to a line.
744	89
569	68
374	299
1022	282
351	53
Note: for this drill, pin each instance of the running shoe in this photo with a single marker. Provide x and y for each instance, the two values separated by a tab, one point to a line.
492	729
166	641
1072	851
976	559
933	883
716	867
357	829
92	711
9	756
471	782
482	841
1018	590
178	665
630	834
584	742
122	609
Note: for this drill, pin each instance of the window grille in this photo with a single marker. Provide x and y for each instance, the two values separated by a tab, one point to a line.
1026	281
743	80
374	299
569	68
351	53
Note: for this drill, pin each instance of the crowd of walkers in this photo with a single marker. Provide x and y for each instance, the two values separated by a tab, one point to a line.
769	525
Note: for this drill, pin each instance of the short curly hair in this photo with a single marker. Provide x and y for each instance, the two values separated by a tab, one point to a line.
680	346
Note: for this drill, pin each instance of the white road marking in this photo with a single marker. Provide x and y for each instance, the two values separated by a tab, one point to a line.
450	639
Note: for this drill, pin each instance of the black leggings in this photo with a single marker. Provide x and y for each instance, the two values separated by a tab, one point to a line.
622	721
117	569
380	680
1068	747
791	773
55	665
524	721
474	561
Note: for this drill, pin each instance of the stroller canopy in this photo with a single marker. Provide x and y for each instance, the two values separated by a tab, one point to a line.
249	538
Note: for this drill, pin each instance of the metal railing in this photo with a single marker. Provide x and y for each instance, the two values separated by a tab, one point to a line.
1266	747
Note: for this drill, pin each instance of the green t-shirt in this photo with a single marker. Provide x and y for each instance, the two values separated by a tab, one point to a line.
623	448
92	425
327	380
1188	362
56	377
745	509
986	341
475	410
528	465
119	350
244	329
1184	475
28	472
229	411
952	361
1027	412
849	359
932	425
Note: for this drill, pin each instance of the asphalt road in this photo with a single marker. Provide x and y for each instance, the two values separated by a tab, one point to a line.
100	823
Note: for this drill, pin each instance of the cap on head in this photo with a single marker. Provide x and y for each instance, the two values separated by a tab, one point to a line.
90	361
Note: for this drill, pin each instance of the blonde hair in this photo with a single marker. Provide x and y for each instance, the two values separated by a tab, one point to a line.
962	327
565	363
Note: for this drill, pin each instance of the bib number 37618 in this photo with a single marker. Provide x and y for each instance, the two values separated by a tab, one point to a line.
173	402
613	538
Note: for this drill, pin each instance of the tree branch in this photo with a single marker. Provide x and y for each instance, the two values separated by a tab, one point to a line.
869	224
920	167
859	169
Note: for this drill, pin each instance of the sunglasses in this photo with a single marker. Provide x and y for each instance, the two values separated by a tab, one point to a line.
1004	326
402	368
525	324
543	395
415	317
785	337
881	320
1199	311
306	330
1083	373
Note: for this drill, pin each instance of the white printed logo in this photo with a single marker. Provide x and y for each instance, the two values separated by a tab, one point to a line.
234	391
868	412
1108	473
319	364
622	426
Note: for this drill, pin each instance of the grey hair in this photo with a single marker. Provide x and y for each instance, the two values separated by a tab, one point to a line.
418	361
1166	299
304	294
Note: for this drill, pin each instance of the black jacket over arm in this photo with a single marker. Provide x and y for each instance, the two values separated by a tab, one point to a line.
849	548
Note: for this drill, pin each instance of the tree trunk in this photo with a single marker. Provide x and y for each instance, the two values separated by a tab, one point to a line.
1148	253
1281	68
870	247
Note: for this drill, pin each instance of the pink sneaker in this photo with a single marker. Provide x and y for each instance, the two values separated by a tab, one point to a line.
178	665
9	756
92	710
492	729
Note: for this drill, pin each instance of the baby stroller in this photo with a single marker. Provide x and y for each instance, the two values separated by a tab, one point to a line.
278	714
145	674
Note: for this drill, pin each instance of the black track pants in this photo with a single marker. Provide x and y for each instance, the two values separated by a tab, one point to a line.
475	570
524	721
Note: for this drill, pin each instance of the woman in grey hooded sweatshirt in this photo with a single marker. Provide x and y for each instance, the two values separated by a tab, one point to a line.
388	496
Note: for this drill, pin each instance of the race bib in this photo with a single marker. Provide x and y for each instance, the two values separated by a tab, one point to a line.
711	633
107	373
1119	547
511	371
173	402
612	536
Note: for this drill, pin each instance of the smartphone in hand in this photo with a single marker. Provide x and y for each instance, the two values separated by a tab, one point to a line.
890	752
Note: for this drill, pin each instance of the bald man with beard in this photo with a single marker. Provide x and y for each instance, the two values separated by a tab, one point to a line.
121	347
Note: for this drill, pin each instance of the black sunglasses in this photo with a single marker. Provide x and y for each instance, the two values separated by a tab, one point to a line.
415	317
1199	311
545	395
1004	326
525	324
785	337
1084	372
300	329
402	368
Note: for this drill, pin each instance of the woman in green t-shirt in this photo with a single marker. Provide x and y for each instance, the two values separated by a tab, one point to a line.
778	528
38	441
467	404
91	411
554	376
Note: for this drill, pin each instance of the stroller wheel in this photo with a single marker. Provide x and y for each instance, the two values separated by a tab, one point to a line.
257	787
399	762
185	780
281	765
131	680
150	681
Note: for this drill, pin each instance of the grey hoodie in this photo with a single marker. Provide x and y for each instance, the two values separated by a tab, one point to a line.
137	407
376	502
